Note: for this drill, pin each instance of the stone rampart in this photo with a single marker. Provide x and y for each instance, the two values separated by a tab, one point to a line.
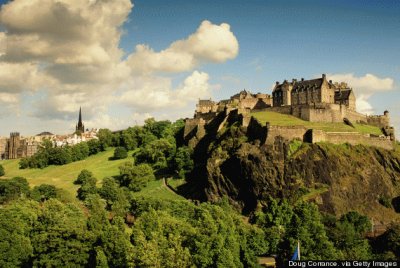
287	132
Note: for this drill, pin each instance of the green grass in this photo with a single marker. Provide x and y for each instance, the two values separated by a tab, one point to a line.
64	176
157	189
278	119
175	183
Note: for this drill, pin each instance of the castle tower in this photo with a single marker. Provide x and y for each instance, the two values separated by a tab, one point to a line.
13	145
80	127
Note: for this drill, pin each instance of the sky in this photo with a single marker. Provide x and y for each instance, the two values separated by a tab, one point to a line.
124	61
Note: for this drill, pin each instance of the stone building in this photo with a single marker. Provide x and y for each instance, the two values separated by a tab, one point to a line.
3	144
242	100
312	92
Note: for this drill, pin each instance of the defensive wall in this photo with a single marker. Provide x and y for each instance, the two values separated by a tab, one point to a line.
267	134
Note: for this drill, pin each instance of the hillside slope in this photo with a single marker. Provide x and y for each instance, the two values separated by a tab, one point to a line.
64	176
339	178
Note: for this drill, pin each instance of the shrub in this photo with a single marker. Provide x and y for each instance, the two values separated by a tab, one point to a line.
120	153
2	171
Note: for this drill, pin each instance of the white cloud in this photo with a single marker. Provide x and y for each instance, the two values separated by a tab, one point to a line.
66	54
148	94
210	43
364	87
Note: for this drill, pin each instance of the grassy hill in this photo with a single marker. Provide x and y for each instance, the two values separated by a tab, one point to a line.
64	176
277	119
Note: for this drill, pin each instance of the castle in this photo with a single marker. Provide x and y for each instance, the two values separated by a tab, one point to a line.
314	100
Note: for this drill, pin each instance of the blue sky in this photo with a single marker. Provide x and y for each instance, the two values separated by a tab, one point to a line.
277	40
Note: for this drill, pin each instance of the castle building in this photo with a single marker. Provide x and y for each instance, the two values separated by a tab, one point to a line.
312	92
314	100
80	127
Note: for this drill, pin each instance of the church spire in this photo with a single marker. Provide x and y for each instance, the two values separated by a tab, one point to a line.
80	127
80	115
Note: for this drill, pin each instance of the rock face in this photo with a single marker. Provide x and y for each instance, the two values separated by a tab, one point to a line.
339	178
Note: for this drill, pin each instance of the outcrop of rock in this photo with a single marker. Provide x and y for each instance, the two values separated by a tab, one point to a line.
339	178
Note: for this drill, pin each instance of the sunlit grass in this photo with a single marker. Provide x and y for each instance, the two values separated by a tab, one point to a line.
278	119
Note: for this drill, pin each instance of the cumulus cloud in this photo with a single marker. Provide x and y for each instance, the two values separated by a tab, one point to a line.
210	43
66	54
364	87
149	93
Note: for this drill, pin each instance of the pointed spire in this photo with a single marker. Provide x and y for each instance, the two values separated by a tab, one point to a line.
80	115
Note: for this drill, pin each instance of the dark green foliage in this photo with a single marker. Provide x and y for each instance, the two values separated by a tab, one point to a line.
115	196
59	237
160	129
94	146
43	192
182	162
120	153
179	234
157	153
79	151
347	235
2	173
13	189
88	187
285	225
105	138
135	177
59	156
48	155
15	226
82	177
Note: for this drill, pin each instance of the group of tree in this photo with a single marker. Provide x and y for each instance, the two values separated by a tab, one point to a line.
49	155
42	230
157	143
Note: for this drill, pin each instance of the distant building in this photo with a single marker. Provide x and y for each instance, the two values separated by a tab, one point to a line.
80	128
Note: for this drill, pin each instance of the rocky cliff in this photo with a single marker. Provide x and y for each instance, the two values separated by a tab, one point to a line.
233	162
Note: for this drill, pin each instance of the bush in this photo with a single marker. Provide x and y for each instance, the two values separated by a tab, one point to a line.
2	171
44	192
120	153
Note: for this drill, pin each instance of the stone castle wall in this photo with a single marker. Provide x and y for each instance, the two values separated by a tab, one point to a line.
352	138
287	132
267	134
381	121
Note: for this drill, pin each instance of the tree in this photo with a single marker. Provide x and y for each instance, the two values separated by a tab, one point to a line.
15	225
120	153
13	189
105	138
2	173
88	187
115	196
60	237
83	176
135	177
44	192
156	153
94	146
182	162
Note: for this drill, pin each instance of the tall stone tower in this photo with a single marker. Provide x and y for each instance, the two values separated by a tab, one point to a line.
80	127
14	149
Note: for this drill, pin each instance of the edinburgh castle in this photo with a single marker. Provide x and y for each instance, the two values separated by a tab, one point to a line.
315	100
